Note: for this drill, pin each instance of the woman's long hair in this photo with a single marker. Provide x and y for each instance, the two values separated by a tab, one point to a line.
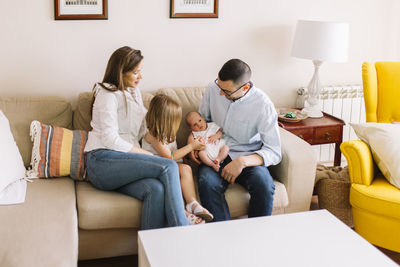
163	118
123	60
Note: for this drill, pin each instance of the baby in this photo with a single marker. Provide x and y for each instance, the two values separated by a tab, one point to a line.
216	150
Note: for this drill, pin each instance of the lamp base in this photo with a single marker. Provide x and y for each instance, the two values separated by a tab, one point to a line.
312	112
312	107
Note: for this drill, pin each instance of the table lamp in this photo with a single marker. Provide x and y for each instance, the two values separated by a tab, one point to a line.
319	41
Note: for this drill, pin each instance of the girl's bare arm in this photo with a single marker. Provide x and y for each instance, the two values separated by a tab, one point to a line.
164	151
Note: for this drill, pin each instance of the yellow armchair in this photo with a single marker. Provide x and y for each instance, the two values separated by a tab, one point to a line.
375	202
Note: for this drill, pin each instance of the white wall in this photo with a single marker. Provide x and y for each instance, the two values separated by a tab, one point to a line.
41	56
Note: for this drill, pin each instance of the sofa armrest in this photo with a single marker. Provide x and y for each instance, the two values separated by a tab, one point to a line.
296	171
362	169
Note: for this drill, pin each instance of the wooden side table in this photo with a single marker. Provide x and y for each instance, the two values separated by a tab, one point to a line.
318	131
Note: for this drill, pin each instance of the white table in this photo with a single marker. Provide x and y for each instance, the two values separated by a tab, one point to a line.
314	238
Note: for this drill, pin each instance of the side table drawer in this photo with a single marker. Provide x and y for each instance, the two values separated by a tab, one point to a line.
305	134
327	135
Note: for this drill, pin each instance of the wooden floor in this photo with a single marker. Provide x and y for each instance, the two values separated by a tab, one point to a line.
126	261
132	261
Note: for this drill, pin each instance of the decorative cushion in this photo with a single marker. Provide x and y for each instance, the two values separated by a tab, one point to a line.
57	151
384	141
11	164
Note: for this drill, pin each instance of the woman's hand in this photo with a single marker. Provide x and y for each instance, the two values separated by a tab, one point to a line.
198	144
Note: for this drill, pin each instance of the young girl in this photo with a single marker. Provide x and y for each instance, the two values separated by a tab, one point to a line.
163	119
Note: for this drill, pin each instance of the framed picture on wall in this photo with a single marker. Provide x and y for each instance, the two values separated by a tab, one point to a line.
194	9
80	9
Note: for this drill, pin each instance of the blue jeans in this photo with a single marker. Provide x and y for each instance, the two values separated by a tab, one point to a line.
257	180
154	180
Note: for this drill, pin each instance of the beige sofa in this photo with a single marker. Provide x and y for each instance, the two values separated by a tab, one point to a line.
62	221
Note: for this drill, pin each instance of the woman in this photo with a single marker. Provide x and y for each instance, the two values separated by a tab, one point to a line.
114	159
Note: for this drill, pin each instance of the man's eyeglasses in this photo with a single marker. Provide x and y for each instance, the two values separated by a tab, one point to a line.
229	93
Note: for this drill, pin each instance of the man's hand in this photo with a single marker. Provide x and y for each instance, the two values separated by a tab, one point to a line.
194	155
231	171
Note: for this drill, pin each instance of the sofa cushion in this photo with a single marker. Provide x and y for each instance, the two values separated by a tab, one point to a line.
379	198
83	112
43	229
57	151
109	210
384	141
107	243
21	111
106	209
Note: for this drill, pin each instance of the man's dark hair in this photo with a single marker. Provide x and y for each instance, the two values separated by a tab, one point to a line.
235	70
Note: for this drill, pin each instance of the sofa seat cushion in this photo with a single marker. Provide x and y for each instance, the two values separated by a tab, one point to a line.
111	210
43	230
380	197
99	209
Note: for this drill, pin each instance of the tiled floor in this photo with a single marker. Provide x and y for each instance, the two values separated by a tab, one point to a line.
132	261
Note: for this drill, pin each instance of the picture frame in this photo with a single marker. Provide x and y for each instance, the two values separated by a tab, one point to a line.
194	9
80	9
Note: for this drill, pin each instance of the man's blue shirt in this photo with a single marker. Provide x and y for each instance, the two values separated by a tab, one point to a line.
249	124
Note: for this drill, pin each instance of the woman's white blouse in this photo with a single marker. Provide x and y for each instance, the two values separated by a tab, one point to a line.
116	126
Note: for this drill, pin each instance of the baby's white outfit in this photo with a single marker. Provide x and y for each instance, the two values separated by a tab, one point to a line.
148	147
211	149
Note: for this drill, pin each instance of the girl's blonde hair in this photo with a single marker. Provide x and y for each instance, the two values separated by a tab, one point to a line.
163	118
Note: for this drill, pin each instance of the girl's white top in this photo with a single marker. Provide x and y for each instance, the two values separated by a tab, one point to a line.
172	146
116	126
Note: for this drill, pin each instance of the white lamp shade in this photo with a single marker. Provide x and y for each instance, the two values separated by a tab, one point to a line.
321	40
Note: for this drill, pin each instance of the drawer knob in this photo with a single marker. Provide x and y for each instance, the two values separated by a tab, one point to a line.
328	136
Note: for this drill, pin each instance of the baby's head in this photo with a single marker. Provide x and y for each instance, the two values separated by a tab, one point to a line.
195	121
163	118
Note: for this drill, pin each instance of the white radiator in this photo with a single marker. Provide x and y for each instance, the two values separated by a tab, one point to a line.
345	102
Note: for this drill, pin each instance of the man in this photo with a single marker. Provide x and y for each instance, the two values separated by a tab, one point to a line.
249	122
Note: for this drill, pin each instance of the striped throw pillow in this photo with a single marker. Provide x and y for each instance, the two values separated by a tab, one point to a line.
57	151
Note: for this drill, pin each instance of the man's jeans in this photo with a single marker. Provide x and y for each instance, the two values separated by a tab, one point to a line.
257	180
154	180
